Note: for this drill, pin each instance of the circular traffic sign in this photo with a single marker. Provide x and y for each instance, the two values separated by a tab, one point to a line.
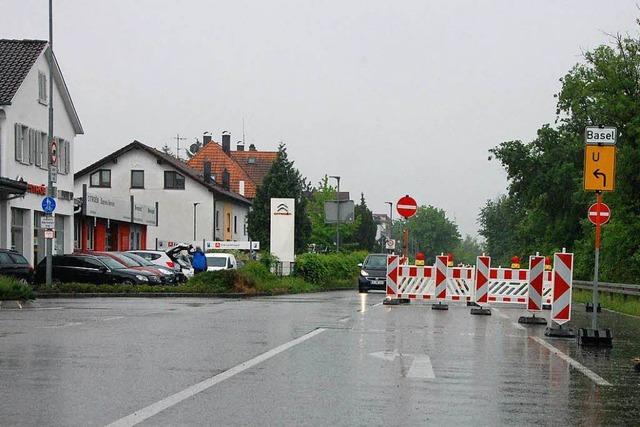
599	213
406	206
48	204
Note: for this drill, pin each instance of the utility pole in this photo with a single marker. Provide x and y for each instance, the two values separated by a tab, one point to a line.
337	178
390	225
178	139
50	187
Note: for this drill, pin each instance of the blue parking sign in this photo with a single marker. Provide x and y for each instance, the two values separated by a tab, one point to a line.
48	204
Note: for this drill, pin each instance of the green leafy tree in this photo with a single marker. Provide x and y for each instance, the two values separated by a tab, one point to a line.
431	230
322	234
282	181
467	251
365	234
545	175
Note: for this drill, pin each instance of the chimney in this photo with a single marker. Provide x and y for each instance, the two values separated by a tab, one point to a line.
226	142
252	147
206	139
240	146
207	171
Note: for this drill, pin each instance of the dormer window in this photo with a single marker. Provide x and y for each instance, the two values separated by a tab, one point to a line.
42	88
251	160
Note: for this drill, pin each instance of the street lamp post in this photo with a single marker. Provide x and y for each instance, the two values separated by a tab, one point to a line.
195	205
50	181
337	178
389	235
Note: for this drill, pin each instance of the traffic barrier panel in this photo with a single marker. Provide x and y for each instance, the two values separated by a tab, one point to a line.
481	294
536	279
562	284
393	261
441	278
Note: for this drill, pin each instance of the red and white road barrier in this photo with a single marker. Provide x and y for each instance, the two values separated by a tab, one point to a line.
562	284
481	295
393	261
441	277
536	279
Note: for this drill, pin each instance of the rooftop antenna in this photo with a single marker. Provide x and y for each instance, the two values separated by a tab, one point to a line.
178	139
243	140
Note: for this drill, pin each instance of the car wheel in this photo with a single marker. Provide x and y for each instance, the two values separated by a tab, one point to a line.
127	282
363	290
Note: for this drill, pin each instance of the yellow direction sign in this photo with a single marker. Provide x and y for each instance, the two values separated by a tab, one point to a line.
599	167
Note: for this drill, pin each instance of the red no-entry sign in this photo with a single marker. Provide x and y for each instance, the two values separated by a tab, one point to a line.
599	213
406	206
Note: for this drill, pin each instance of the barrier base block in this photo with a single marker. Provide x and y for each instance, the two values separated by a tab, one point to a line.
590	308
559	332
595	337
546	306
440	306
404	300
532	320
472	304
480	311
390	301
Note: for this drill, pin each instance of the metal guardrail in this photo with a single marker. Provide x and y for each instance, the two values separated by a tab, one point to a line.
612	288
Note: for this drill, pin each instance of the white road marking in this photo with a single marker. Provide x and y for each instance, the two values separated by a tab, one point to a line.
518	326
155	408
579	366
344	319
389	356
65	325
421	368
108	319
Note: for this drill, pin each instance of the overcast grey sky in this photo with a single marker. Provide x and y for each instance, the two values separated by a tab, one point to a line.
397	97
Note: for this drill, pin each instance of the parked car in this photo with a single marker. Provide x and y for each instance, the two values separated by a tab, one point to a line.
373	273
221	261
174	275
131	264
13	264
92	268
174	258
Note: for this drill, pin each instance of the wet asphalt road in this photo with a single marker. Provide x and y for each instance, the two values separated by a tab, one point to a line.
92	362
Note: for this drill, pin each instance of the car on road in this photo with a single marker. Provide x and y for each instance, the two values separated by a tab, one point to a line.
167	275
13	264
373	273
221	261
90	268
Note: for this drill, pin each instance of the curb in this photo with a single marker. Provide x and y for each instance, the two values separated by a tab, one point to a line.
14	304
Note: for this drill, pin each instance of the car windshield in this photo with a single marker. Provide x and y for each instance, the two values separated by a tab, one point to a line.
126	261
216	261
376	261
18	259
111	263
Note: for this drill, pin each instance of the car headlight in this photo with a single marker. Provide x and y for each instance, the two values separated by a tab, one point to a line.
142	278
363	273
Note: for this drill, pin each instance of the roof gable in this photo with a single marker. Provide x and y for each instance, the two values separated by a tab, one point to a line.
173	162
255	163
17	57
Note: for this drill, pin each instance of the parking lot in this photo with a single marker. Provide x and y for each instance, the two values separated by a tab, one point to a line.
329	358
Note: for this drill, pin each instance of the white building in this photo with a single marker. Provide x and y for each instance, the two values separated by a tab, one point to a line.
24	101
141	198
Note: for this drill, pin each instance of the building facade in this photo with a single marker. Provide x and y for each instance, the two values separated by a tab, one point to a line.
24	102
141	198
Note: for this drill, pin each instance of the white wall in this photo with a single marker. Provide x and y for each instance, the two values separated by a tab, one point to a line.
26	109
175	212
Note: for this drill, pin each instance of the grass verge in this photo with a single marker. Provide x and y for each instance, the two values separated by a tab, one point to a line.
12	289
616	302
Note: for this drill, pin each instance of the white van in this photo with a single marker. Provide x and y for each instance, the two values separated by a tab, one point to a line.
221	261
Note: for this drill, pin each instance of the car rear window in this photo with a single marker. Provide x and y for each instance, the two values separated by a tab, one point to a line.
19	259
376	261
216	261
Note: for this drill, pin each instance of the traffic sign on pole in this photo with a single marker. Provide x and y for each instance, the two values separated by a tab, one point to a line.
599	168
599	213
48	204
600	135
406	207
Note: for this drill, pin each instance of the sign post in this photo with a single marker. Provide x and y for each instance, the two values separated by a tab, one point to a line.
599	176
407	208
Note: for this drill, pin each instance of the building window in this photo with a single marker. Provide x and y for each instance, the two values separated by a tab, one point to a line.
173	180
59	241
235	224
228	222
64	156
101	178
137	179
217	220
91	229
38	238
42	88
22	144
17	229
